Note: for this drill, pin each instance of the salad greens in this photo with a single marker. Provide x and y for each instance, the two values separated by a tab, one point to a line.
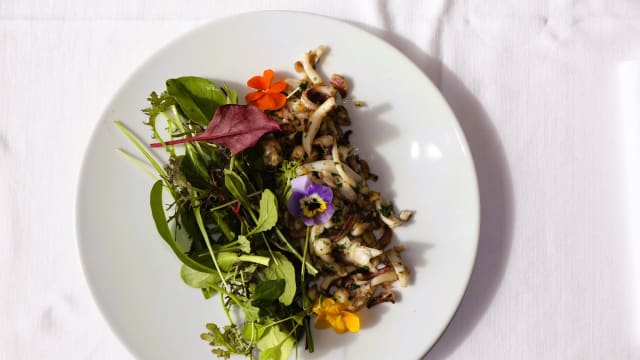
222	218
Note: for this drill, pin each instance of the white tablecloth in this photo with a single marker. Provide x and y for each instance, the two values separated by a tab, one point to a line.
548	95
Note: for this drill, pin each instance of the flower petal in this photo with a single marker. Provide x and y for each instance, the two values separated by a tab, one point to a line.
293	204
278	87
266	102
271	101
351	321
257	83
324	216
317	308
309	221
267	77
334	309
324	192
337	323
328	302
301	184
251	97
280	100
322	323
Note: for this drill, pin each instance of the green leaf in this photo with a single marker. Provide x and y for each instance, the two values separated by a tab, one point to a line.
268	213
268	290
233	182
275	337
226	260
281	268
254	331
188	224
229	341
273	353
159	104
245	245
162	226
262	260
208	292
197	279
283	179
251	313
219	217
197	97
192	165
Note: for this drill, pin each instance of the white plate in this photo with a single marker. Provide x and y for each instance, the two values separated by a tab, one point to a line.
407	132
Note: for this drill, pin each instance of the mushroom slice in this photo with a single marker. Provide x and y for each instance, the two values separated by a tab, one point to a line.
322	248
314	123
385	209
385	296
338	82
360	296
316	95
387	276
309	61
398	266
330	166
356	253
340	167
271	151
359	228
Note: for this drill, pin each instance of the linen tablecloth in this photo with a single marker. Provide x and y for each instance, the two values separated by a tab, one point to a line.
548	96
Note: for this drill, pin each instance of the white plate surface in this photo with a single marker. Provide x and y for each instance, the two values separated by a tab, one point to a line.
407	132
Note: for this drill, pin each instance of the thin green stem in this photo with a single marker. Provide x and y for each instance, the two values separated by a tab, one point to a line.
231	296
178	119
234	201
144	151
170	124
137	163
309	337
264	238
226	310
310	268
196	212
304	259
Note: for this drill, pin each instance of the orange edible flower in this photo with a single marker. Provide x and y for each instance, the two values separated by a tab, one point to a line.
332	314
266	96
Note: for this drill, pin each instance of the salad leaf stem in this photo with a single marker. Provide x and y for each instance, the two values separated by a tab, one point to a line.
226	310
310	268
205	236
137	163
304	260
232	202
144	151
309	336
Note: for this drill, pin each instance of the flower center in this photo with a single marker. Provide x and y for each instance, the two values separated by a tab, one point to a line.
312	205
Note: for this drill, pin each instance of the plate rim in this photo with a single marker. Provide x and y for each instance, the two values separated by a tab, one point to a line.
461	140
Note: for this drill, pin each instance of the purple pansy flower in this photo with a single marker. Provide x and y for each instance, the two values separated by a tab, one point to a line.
311	202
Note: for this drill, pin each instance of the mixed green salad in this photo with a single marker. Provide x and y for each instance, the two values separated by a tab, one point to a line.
269	207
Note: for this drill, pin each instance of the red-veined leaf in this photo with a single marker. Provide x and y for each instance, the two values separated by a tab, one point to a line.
237	127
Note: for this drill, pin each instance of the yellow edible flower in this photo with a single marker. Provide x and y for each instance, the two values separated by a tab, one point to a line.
332	314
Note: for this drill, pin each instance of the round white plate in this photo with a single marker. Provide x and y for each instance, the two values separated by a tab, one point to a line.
406	131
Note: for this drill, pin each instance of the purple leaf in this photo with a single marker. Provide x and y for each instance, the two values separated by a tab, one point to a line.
237	127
